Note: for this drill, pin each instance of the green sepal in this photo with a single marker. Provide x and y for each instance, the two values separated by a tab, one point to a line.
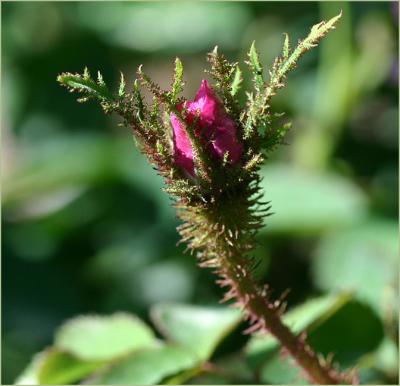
237	81
86	85
177	86
256	67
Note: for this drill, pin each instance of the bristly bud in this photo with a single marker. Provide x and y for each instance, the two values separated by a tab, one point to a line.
209	150
214	128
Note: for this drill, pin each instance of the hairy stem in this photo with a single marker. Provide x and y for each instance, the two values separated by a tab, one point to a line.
221	230
265	316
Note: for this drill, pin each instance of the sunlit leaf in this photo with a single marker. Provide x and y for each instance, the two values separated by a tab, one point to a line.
254	61
30	376
104	337
199	329
237	81
177	86
148	367
62	368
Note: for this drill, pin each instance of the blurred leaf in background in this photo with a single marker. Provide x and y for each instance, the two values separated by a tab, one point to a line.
86	229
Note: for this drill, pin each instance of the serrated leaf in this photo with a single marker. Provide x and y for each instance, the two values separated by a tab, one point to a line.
122	84
254	58
104	337
100	80
256	66
286	47
177	86
138	99
86	74
199	329
326	26
86	85
148	367
237	81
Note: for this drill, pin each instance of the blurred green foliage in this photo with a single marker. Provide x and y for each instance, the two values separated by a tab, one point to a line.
86	228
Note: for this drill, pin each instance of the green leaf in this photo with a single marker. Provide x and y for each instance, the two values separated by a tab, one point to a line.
63	368
386	358
100	80
199	329
281	371
350	333
86	85
30	376
178	84
54	367
122	84
319	30
256	66
138	99
286	47
104	337
306	202
254	58
237	81
148	367
363	259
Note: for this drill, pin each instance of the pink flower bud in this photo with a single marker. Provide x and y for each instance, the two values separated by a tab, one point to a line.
214	126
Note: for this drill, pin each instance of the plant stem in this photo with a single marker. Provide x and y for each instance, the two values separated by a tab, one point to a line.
265	317
222	232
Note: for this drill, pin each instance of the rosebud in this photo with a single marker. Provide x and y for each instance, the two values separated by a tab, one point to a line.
214	126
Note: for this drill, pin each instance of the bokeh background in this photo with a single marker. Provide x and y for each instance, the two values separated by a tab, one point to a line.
85	226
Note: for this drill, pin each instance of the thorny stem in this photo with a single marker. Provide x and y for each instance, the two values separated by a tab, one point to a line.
266	318
215	233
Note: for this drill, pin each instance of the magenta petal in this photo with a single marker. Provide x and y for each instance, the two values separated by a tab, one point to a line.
208	104
214	126
183	148
225	141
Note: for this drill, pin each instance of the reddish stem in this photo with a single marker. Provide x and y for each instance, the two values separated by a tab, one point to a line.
265	315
